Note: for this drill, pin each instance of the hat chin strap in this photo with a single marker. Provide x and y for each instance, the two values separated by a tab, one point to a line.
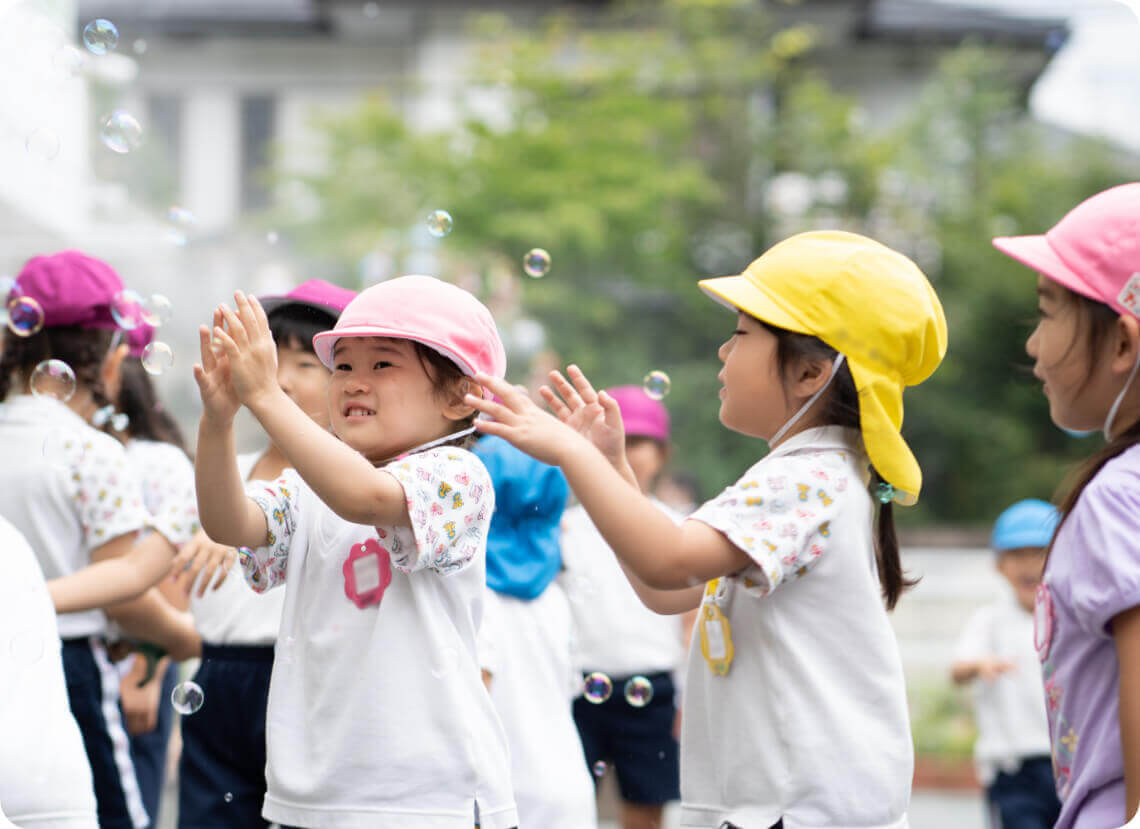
811	401
446	438
1119	399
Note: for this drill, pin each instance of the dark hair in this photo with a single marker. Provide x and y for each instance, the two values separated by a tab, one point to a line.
84	349
446	377
841	408
138	401
294	325
1095	323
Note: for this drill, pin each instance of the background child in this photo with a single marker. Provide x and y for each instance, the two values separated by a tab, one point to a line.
995	652
377	713
795	706
1086	350
525	641
69	489
622	638
222	770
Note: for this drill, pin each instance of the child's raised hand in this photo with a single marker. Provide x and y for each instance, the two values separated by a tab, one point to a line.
249	349
595	415
519	420
219	400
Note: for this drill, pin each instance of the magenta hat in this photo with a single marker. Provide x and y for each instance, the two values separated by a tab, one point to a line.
315	293
1093	251
72	288
139	337
641	415
426	310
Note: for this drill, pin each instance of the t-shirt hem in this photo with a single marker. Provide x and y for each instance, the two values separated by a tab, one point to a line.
762	817
77	818
349	817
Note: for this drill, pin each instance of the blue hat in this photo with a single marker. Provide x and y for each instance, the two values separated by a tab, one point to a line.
1028	523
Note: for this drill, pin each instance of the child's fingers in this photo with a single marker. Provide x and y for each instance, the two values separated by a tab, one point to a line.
223	339
248	317
236	328
554	402
204	348
488	407
573	400
261	317
584	387
611	409
493	427
501	388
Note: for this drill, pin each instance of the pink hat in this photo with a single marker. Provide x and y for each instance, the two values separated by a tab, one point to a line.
429	311
1093	251
315	293
641	415
72	288
139	337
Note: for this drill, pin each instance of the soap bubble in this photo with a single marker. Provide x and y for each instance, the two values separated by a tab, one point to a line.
140	46
100	36
272	237
228	797
597	688
536	263
656	384
180	225
42	143
371	10
157	357
638	691
127	309
156	310
121	132
53	378
25	316
599	768
439	223
187	697
64	450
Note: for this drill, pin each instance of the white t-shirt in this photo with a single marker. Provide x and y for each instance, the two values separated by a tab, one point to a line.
45	781
1009	712
810	722
616	633
68	488
378	717
233	614
167	478
526	646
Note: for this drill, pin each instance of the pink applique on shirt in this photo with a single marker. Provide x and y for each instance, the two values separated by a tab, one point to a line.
367	573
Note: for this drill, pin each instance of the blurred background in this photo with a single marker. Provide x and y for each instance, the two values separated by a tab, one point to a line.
206	145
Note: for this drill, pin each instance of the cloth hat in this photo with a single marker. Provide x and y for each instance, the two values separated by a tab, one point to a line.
426	310
1028	523
72	288
868	302
139	337
641	415
1093	251
315	293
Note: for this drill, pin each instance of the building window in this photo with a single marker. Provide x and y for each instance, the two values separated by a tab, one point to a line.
257	116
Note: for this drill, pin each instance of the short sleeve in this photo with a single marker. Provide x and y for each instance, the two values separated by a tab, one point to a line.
450	499
975	642
780	514
108	496
264	568
1103	533
168	490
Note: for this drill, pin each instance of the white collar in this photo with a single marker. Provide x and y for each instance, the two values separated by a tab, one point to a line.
820	438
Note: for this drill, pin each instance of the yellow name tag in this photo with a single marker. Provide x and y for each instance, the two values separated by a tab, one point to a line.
716	633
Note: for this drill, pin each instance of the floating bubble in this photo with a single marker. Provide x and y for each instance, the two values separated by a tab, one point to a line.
26	647
597	688
121	132
638	691
656	384
156	310
536	263
64	450
371	10
271	237
100	36
42	143
228	797
180	225
139	46
68	61
599	768
439	223
127	309
53	378
157	357
187	697
25	316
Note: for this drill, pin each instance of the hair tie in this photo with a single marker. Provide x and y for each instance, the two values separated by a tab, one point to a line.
885	493
101	416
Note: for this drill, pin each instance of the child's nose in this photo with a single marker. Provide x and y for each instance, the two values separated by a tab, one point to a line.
1031	345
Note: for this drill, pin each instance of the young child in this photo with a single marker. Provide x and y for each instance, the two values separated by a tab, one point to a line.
794	711
620	637
377	714
1086	351
996	647
222	769
69	489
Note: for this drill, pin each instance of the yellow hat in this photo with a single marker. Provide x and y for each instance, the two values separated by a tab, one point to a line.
868	302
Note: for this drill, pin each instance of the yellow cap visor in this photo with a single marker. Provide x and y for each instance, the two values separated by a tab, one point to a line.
880	416
742	294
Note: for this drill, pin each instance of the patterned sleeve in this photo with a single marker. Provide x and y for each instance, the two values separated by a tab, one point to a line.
168	489
264	568
780	514
450	500
108	496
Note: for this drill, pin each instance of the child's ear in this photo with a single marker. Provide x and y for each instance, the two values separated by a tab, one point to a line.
111	372
455	408
810	376
1127	343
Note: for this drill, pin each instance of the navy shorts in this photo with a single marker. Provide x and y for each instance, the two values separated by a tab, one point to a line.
637	743
93	692
148	751
1026	799
222	770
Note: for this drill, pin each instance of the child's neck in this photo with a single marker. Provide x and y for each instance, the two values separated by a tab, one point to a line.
270	465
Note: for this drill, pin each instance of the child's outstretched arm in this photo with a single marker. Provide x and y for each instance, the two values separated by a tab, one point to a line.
660	554
121	570
340	476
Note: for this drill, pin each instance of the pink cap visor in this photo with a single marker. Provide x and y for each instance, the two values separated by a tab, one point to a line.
641	415
315	293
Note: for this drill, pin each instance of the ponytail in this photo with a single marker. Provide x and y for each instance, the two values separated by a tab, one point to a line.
139	402
83	349
891	576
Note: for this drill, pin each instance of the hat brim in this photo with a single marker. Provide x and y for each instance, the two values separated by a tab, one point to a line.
879	398
272	303
1035	252
741	294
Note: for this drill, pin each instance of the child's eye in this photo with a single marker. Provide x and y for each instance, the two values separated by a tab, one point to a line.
739	332
343	367
1041	313
382	364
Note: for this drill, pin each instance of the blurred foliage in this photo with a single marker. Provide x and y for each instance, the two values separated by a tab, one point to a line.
942	720
651	146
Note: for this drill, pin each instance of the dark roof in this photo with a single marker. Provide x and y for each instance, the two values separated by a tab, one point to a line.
192	17
930	21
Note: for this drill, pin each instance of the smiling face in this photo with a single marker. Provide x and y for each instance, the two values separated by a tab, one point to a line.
382	399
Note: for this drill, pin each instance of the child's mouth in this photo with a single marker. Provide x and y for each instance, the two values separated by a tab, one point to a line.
352	412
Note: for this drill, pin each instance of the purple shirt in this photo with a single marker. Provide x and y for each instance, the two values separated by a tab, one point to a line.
1093	574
